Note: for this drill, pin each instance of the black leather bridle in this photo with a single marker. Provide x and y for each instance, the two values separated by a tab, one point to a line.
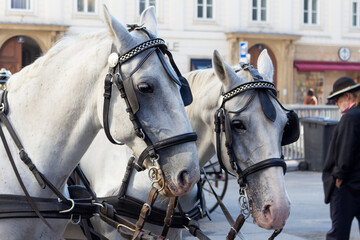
264	90
222	124
125	86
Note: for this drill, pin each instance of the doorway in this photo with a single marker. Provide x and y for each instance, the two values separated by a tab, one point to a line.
18	52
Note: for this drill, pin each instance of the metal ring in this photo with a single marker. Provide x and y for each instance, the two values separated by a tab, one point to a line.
142	134
159	190
2	107
150	173
72	220
156	158
124	226
98	204
71	208
149	209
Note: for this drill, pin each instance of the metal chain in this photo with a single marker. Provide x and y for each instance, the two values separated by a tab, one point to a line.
245	207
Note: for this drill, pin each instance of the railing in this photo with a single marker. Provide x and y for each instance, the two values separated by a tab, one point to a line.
295	151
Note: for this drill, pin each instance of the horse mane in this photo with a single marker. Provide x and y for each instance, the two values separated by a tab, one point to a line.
204	82
199	79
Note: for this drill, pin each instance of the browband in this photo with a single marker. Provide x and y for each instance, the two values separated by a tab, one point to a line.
249	86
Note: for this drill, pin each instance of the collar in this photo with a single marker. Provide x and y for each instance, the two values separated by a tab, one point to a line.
347	109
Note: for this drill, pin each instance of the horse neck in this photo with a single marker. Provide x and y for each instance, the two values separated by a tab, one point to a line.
55	117
206	89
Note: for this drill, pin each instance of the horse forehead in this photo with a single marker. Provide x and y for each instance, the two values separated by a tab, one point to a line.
254	111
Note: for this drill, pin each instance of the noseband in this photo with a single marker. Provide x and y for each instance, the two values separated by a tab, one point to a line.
127	92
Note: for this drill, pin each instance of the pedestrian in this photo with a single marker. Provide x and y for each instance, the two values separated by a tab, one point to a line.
341	172
310	99
4	76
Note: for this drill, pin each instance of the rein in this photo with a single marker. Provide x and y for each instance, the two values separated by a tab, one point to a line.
17	206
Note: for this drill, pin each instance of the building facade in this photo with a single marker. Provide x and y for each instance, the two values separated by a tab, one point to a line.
311	42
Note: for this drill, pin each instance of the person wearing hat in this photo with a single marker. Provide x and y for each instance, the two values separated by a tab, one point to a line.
341	172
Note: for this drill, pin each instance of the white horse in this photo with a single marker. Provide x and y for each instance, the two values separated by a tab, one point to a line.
255	138
56	107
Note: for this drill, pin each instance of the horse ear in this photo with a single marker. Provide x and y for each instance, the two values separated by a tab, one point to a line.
224	72
118	32
265	66
148	18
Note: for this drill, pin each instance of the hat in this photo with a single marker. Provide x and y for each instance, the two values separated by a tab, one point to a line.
343	85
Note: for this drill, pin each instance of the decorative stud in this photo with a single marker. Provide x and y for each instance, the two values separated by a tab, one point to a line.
113	59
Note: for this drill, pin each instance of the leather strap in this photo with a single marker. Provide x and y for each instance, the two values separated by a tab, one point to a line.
236	227
275	234
168	218
163	144
17	206
145	211
28	198
107	96
194	229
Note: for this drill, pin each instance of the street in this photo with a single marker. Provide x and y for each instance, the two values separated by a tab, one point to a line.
309	217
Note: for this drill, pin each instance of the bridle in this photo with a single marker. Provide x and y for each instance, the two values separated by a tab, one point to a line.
125	85
265	90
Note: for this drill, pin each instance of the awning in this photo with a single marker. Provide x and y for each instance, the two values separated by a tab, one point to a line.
317	66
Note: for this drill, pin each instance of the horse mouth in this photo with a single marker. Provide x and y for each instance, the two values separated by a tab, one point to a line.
166	191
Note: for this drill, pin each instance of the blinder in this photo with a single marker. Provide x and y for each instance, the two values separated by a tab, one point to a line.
291	130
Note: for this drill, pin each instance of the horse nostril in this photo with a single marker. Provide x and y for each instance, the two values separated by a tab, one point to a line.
266	210
183	178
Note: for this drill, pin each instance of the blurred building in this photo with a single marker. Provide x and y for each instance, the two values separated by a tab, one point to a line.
311	42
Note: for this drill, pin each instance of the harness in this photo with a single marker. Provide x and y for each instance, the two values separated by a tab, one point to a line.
17	206
128	206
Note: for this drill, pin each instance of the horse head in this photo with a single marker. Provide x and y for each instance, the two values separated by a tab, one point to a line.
250	131
147	88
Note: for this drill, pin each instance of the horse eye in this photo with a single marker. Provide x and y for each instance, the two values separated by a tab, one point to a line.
145	88
238	125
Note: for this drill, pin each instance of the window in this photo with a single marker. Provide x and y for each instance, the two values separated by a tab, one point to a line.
21	4
355	14
310	12
200	63
205	9
86	6
259	12
143	4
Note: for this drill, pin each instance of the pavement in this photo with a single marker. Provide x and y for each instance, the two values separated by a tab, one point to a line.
309	217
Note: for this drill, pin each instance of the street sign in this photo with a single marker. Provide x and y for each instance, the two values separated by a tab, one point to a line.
243	51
